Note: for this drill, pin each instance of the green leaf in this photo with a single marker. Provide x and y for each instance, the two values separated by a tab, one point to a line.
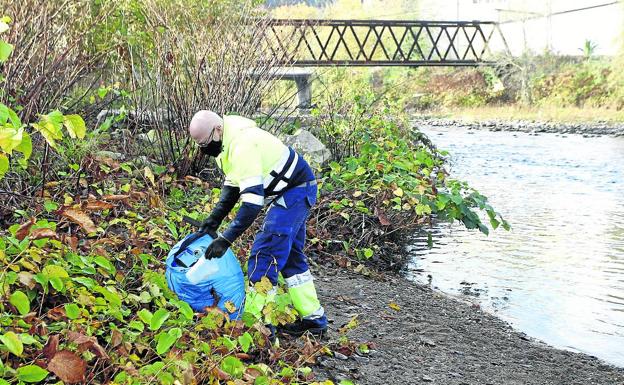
13	343
185	310
262	380
72	310
10	138
20	301
57	284
136	325
232	366
166	340
4	165
245	341
25	147
54	271
75	126
105	264
50	127
145	316
31	373
5	50
160	316
86	282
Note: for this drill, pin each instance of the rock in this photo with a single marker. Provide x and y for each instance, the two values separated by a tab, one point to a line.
307	144
109	154
427	342
427	379
340	356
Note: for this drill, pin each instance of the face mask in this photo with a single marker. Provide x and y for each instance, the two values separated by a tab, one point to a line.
213	148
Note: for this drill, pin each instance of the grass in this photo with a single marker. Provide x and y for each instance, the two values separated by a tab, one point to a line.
541	114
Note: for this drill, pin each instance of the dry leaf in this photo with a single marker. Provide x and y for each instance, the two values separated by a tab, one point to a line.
115	197
229	305
80	218
149	175
116	338
383	219
27	279
56	313
87	343
50	348
68	367
71	242
24	229
97	205
43	233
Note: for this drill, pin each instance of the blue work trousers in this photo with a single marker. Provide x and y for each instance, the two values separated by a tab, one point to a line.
278	247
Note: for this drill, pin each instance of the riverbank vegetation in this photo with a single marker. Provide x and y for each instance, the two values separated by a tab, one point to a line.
98	173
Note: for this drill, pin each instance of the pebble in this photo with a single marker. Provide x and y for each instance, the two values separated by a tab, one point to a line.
427	379
340	356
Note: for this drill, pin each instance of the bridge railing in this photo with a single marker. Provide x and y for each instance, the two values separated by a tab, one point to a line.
305	42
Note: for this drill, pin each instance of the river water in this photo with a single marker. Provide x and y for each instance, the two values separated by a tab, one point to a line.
558	275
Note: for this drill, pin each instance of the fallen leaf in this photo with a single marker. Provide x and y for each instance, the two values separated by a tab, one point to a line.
50	348
43	233
194	179
383	219
229	305
116	338
80	218
68	367
115	197
72	242
87	343
27	279
149	175
57	313
97	205
394	306
24	229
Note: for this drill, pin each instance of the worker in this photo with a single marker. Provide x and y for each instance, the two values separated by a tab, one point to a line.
259	169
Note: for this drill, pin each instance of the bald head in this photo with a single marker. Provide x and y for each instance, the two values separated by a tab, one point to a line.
202	125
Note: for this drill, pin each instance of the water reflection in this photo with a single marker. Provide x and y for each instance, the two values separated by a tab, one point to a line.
559	274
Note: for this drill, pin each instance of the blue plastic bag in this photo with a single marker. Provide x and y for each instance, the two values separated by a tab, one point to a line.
228	283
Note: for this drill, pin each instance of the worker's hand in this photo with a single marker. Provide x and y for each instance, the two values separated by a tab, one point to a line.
210	226
217	248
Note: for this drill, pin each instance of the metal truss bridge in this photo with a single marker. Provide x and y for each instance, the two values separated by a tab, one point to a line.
314	43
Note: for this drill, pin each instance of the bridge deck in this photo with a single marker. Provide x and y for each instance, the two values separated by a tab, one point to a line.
305	42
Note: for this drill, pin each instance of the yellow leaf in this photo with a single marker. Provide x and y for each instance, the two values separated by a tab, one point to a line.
398	192
150	175
263	286
394	306
352	324
10	138
229	305
4	165
75	126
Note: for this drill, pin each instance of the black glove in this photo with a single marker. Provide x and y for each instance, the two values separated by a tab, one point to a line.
210	226
227	201
217	248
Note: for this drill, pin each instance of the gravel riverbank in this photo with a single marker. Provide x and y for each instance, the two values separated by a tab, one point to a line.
585	129
426	337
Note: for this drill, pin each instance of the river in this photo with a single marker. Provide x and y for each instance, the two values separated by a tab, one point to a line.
558	275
